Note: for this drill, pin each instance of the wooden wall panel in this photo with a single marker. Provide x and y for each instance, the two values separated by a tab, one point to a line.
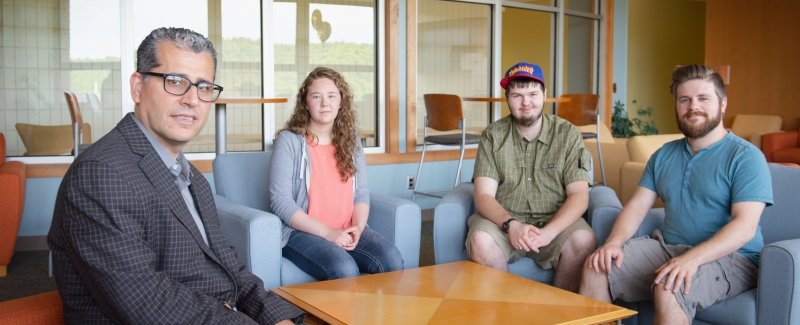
759	40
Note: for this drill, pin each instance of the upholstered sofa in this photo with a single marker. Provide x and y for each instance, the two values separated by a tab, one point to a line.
752	127
640	148
776	300
783	147
241	182
12	201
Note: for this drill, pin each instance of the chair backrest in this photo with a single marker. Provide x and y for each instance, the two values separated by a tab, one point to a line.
443	111
581	109
781	221
74	107
747	125
244	178
49	140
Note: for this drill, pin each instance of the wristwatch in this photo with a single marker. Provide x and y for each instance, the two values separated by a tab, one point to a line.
507	224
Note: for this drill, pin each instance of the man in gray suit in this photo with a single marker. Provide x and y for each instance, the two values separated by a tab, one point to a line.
135	235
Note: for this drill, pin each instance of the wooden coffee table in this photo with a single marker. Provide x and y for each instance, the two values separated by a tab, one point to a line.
455	293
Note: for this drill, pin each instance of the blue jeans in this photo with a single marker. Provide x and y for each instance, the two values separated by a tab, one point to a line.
325	260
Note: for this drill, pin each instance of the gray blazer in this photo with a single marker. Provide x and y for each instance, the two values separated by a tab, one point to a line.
126	249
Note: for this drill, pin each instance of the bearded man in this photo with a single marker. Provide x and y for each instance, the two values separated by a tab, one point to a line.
714	185
531	186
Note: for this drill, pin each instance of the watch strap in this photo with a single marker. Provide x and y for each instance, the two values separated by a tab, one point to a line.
506	225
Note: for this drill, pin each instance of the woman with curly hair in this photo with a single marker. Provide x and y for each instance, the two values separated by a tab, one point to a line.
318	185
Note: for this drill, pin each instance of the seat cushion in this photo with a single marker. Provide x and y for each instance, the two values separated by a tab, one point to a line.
453	139
787	156
737	310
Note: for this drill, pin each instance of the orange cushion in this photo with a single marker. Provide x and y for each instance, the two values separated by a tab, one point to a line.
787	155
45	308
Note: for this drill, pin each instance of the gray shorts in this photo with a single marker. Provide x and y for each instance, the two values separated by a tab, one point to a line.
714	282
548	256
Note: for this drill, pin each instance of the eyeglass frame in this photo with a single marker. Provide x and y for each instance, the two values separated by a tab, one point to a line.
191	83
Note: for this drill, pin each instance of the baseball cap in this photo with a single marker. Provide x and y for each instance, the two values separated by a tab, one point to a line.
522	70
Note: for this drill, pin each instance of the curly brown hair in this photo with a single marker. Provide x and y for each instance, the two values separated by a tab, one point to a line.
345	132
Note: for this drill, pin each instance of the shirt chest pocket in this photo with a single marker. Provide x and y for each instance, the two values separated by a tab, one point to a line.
510	172
548	178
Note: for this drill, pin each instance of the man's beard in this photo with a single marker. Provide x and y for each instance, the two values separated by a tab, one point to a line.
699	131
528	121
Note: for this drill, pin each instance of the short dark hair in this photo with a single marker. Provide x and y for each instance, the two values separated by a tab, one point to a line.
697	71
185	39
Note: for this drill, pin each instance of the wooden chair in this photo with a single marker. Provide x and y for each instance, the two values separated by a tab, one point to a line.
443	113
77	122
581	109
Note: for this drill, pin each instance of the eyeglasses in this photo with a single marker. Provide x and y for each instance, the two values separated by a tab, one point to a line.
177	85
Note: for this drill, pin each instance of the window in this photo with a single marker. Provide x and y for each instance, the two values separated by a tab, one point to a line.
91	50
44	55
454	57
459	51
337	34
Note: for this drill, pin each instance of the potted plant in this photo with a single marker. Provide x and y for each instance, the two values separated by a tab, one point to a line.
623	126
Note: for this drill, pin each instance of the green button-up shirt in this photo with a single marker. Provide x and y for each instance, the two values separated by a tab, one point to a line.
532	175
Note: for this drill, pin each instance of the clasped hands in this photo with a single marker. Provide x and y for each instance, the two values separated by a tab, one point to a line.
528	237
345	238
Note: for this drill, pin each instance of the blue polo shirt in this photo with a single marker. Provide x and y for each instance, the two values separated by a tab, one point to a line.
699	190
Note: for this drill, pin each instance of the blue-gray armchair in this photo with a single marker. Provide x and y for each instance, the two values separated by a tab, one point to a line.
776	300
241	181
450	232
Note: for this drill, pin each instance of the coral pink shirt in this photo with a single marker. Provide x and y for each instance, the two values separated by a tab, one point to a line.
330	201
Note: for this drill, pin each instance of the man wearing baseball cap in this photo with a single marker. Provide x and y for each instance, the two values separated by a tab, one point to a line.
531	186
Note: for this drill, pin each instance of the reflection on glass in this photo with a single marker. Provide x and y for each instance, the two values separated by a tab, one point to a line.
580	60
43	56
453	57
529	35
538	2
337	34
587	6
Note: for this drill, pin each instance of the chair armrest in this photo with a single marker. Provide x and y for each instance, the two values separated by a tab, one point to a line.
450	224
400	221
779	283
604	207
772	142
255	236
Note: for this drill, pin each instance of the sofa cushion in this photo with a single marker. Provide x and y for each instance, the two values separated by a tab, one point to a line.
787	155
641	147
